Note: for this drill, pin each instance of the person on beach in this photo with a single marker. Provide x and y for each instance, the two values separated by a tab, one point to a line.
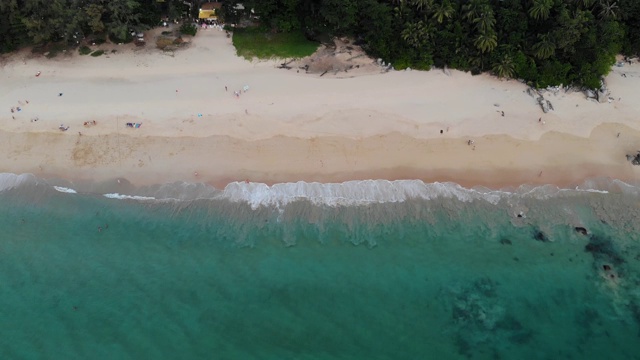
59	94
225	88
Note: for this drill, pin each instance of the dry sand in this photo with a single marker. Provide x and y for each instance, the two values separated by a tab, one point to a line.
292	126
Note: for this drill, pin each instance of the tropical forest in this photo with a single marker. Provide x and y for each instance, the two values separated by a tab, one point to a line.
542	42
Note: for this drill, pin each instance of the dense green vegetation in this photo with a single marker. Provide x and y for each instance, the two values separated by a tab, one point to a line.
188	29
84	50
38	22
545	42
252	42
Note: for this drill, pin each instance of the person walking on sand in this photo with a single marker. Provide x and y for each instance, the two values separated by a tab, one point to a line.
225	88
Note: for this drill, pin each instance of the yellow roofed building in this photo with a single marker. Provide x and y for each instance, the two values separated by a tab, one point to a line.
210	10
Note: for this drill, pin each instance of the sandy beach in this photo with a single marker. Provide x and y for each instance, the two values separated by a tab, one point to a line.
288	126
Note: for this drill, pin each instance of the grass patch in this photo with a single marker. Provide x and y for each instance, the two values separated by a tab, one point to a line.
255	42
84	50
97	53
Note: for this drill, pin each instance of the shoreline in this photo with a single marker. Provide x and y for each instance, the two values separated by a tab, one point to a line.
290	126
326	159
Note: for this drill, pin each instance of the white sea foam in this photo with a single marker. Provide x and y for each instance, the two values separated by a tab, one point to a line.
65	190
349	193
129	197
9	180
354	193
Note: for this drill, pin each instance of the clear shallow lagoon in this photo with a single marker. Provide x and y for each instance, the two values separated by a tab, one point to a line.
250	272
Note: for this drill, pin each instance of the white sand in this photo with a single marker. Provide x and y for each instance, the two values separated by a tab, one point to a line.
293	126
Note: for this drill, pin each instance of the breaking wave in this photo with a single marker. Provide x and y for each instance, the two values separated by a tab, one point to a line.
349	193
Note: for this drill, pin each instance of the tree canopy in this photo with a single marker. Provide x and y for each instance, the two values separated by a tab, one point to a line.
36	22
545	42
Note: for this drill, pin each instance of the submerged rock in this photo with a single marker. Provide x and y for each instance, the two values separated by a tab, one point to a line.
604	250
540	236
581	230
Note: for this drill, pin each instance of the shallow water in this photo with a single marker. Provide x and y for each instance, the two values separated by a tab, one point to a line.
374	270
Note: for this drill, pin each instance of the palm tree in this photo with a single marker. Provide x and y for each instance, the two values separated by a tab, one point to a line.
540	9
505	68
486	41
545	47
442	11
399	4
422	4
486	20
609	10
586	3
416	34
473	9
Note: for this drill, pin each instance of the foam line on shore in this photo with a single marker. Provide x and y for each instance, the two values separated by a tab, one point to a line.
128	197
349	193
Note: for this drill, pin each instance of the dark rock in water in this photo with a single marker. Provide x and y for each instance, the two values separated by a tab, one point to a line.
540	236
505	242
604	250
464	347
635	310
581	230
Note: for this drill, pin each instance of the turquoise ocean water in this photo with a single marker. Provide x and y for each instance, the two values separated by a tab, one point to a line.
360	270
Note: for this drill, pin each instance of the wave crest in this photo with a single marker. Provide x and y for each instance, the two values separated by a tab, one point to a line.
349	193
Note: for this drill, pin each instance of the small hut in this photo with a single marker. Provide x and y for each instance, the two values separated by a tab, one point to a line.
209	11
